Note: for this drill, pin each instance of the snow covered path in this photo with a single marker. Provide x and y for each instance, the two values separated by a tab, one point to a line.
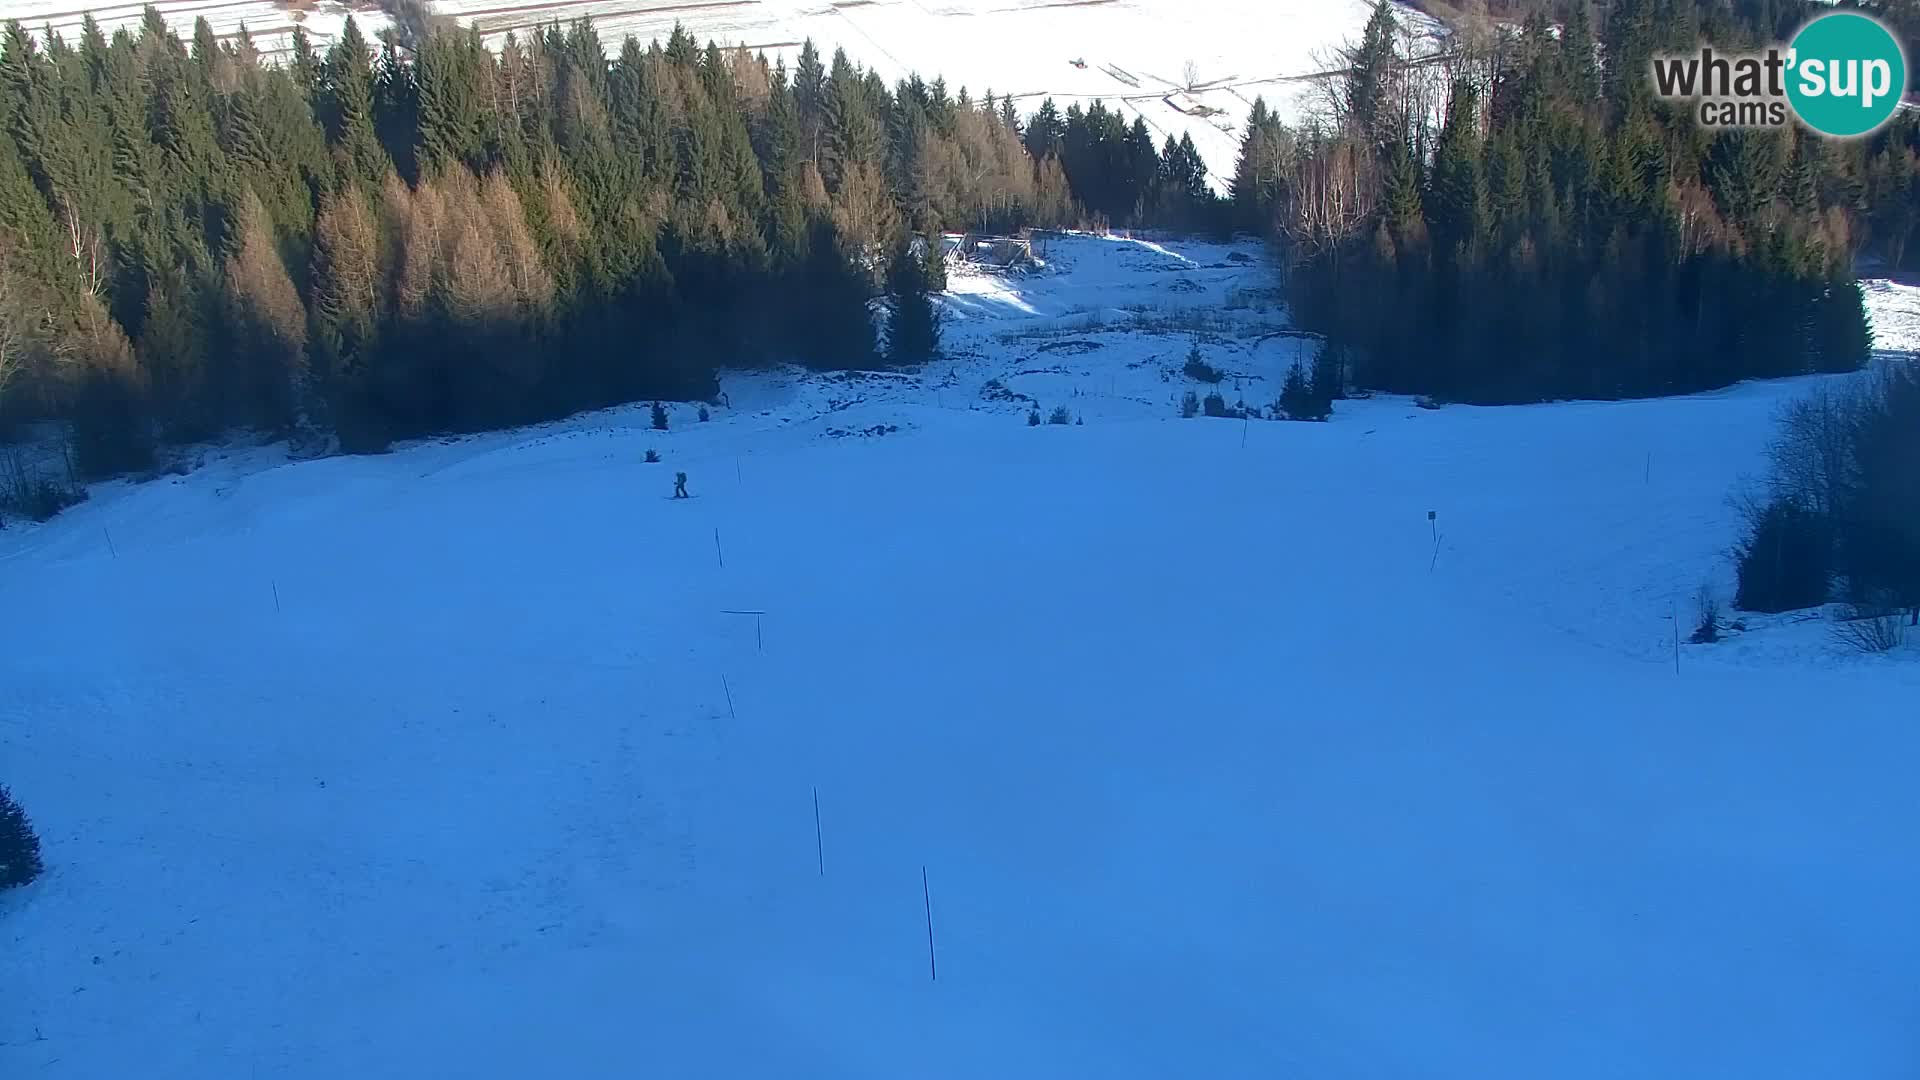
453	762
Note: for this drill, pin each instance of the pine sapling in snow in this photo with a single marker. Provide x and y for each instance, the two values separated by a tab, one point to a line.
659	417
1198	369
1329	381
1060	415
19	847
1300	399
1707	630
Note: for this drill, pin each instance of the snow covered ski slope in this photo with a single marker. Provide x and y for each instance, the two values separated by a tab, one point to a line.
1134	54
463	760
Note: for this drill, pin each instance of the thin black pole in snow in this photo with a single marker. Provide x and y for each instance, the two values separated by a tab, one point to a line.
819	846
109	536
759	643
1245	421
1674	618
731	715
1433	522
926	893
737	481
1648	479
276	596
716	549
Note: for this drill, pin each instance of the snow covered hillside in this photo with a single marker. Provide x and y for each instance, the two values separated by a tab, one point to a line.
1134	54
485	758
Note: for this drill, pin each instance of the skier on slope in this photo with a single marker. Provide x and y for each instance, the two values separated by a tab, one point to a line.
680	485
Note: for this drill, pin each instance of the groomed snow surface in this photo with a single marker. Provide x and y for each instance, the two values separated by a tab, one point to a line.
458	762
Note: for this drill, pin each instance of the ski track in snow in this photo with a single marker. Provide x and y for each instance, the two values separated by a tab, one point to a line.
452	762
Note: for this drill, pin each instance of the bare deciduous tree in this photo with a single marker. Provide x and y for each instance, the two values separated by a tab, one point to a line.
1813	453
348	264
1333	191
863	209
259	281
85	248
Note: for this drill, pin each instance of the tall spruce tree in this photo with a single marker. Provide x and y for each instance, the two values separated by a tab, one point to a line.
913	327
347	91
1368	88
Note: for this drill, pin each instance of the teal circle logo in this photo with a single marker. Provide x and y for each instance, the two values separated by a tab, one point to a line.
1846	74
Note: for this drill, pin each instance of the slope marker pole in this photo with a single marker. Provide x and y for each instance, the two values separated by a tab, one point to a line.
819	845
926	893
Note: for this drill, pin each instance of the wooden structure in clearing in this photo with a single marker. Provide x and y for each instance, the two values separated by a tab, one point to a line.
991	253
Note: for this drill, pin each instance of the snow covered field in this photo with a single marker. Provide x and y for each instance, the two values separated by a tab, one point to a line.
1894	307
458	762
1131	53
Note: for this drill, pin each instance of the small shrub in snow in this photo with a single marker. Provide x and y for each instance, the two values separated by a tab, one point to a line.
1060	415
1079	421
1198	369
1215	405
43	499
659	417
1786	562
653	457
704	417
1707	630
1871	628
1190	405
27	492
1033	418
19	847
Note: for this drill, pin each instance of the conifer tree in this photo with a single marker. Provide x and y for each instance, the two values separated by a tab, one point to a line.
20	860
1368	86
840	333
913	328
1046	131
1456	202
347	91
